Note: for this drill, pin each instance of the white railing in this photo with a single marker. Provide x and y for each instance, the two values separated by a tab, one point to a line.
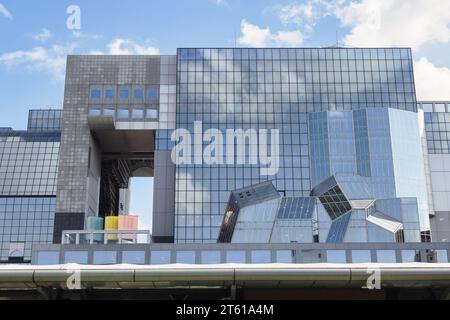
105	236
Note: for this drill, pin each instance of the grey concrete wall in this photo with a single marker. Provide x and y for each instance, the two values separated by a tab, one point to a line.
163	197
77	185
94	174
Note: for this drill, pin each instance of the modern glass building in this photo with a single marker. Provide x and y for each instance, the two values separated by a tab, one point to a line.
289	90
28	175
360	161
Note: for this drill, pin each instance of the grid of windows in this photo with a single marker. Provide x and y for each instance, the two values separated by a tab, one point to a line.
335	202
434	106
296	208
272	88
28	163
437	127
44	120
126	103
25	220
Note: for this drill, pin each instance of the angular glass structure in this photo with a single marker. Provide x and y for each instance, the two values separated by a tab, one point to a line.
381	150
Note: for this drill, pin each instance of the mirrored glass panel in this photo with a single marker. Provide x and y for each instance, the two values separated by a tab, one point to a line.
160	257
47	257
442	256
210	257
386	256
235	256
361	256
336	256
284	256
105	257
187	257
261	256
133	257
410	256
80	257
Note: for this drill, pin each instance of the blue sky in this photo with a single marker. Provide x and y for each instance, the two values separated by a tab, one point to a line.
34	39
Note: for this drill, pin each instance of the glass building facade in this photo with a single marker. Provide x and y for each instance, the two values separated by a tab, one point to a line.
273	88
28	174
351	135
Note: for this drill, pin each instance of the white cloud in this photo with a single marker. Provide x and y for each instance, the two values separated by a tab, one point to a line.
43	35
51	59
432	83
254	36
306	14
297	13
412	23
220	3
81	35
126	46
4	12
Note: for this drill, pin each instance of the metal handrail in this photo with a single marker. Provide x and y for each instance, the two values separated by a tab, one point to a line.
66	235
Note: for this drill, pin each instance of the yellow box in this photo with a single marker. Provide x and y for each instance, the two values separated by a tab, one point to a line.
112	224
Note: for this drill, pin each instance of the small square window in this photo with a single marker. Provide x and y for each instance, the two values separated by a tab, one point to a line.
152	94
152	114
138	94
96	94
439	107
110	94
123	113
138	114
124	94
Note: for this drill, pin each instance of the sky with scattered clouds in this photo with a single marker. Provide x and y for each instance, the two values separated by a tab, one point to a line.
35	39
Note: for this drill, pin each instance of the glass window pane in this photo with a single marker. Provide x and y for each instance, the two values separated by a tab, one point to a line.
160	257
235	256
427	107
187	257
138	94
152	114
261	256
442	256
410	256
361	256
138	114
95	112
133	257
386	256
80	257
336	256
110	94
124	94
105	257
109	112
210	257
439	107
96	94
152	94
284	256
47	257
122	113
